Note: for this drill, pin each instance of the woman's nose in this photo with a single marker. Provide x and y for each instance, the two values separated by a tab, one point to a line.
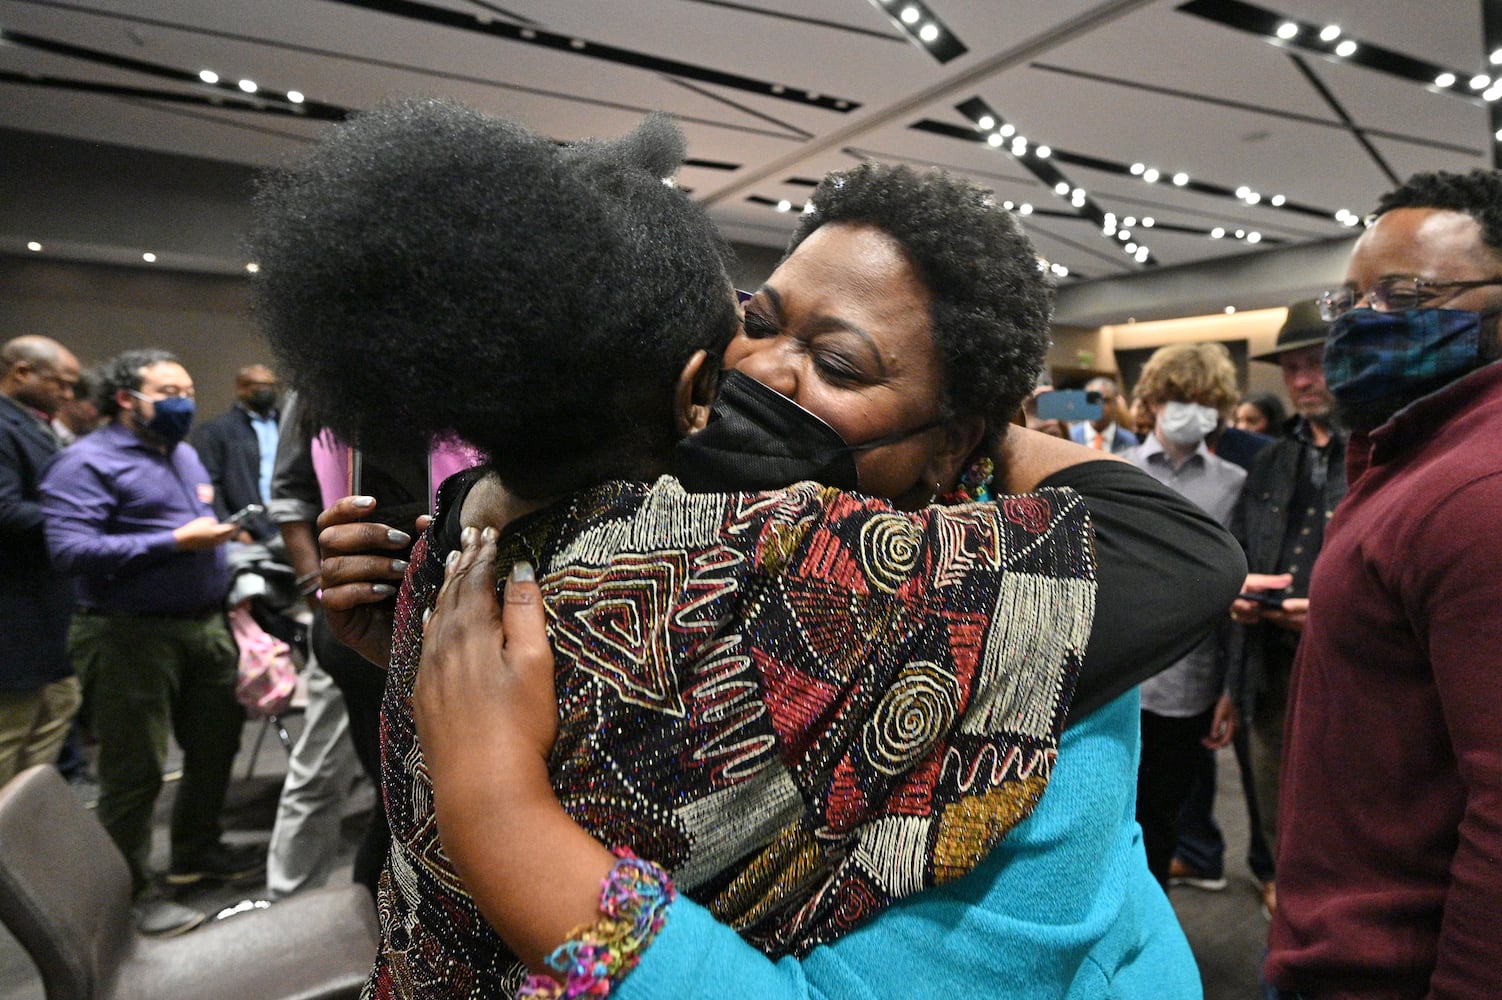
771	362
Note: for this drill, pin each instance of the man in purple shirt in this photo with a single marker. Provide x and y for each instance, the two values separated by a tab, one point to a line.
129	514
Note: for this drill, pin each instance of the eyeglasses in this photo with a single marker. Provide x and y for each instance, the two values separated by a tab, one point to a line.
1392	294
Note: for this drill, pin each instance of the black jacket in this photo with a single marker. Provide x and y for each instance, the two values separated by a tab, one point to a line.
1259	522
232	454
36	602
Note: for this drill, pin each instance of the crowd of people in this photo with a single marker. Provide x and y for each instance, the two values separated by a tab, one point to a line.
771	640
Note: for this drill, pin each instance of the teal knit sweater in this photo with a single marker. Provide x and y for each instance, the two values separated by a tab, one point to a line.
1064	907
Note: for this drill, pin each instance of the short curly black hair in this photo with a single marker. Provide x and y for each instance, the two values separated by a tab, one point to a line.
990	301
123	371
1477	194
431	270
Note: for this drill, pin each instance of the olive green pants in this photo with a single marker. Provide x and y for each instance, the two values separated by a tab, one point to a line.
145	679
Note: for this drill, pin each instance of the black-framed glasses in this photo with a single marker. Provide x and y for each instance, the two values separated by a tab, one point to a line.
1393	293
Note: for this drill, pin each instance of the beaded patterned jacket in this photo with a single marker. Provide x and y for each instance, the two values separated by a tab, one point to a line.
801	703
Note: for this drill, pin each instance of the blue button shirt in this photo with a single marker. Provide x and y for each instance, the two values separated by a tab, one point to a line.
111	503
266	433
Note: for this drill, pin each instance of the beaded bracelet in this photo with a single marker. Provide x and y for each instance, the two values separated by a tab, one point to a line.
634	898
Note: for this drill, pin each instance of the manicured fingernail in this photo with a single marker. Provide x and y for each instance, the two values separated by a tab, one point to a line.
398	537
450	559
467	536
384	589
398	565
521	572
362	502
489	535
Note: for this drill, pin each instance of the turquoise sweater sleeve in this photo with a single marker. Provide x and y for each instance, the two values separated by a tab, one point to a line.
1064	907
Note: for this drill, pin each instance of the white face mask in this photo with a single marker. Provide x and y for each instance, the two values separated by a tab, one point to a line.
1186	423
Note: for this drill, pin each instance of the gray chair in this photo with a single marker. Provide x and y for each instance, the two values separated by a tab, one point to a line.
65	895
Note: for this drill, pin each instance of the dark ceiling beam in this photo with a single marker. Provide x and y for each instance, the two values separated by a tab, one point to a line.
1092	19
1345	116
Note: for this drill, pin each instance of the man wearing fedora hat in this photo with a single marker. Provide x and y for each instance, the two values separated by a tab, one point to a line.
1291	491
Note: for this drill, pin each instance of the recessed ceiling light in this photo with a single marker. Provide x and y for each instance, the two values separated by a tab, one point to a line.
1240	233
1329	33
149	257
928	32
1479	81
784	206
1254	237
1130	220
1008	205
1180	179
295	96
1008	129
1346	48
1043	152
1445	80
1243	191
1137	169
1287	30
252	268
1277	200
208	76
1130	248
249	86
1217	233
1061	188
910	15
1025	209
1253	197
1061	270
1148	222
34	247
1142	255
1230	310
1498	136
1150	175
995	139
1123	234
986	123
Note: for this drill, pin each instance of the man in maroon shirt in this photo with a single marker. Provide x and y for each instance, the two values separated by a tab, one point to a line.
1390	824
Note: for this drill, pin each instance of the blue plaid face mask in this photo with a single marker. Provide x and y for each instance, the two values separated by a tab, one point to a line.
1372	355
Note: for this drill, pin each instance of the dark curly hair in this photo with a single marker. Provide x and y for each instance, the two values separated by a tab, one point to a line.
430	270
990	301
123	371
1477	194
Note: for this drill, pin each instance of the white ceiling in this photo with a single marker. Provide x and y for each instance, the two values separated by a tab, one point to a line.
1119	81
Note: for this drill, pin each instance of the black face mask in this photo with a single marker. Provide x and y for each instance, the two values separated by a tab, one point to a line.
263	401
758	439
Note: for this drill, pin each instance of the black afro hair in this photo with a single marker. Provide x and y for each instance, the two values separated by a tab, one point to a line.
430	271
990	301
1477	194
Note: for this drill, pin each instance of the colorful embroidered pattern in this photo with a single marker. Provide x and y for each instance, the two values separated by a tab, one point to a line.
801	704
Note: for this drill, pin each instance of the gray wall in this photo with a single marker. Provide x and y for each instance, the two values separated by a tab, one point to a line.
99	310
